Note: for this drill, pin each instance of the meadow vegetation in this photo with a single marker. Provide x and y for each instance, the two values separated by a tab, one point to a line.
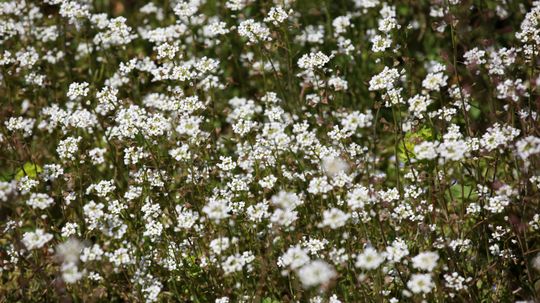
269	151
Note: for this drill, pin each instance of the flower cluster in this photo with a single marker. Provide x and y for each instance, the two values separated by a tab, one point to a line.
269	151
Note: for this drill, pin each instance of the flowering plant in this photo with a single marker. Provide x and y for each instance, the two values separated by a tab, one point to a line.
269	151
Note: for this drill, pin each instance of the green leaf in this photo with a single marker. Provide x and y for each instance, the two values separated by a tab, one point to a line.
411	139
468	193
475	113
29	169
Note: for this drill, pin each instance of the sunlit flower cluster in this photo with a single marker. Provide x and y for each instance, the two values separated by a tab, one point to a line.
269	151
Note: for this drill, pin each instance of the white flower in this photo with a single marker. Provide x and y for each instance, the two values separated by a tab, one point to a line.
219	245
334	165
186	218
319	185
237	262
70	273
474	56
316	273
91	253
36	239
69	229
339	84
334	218
341	24
236	5
217	210
25	125
69	251
186	8
528	146
284	217
358	197
426	150
167	51
453	150
77	90
497	204
380	43
181	153
92	213
384	80
68	147
227	163
313	60
254	31
425	260
369	259
40	201
420	283
258	212
222	300
434	81
276	15
455	281
287	200
397	250
295	257
418	105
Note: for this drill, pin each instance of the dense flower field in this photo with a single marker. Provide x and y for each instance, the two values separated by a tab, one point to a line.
270	151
